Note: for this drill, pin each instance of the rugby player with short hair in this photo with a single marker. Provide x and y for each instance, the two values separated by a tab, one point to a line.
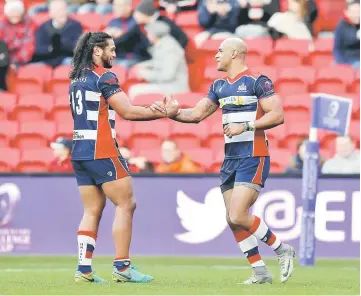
250	106
95	97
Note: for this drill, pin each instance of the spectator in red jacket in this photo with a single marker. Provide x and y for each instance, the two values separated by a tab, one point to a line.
18	31
62	152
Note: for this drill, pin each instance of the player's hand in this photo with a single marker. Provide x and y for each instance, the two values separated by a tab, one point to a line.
233	129
171	106
157	106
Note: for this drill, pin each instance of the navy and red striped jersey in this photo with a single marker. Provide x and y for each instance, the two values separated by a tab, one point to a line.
94	119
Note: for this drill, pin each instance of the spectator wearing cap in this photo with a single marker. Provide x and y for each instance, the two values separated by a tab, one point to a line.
62	153
347	36
131	44
146	13
167	71
57	37
17	31
219	18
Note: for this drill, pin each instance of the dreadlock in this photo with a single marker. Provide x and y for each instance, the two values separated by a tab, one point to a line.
83	52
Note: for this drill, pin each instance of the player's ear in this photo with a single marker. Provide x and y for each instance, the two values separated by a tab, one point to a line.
234	54
98	51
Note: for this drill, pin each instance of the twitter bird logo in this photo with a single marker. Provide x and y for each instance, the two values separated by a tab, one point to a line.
204	221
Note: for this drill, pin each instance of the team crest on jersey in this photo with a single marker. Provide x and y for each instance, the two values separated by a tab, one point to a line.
111	81
242	87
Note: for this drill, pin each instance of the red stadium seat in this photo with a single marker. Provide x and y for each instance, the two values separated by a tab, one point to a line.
28	113
9	158
147	134
294	129
279	159
188	136
216	165
32	167
297	102
334	79
34	135
62	101
215	118
43	101
59	84
7	104
151	155
44	155
215	139
64	130
258	50
132	78
189	99
90	21
321	56
121	73
275	135
327	140
355	86
269	71
61	114
354	130
208	51
201	156
31	79
124	129
147	99
294	80
289	52
210	74
8	131
187	19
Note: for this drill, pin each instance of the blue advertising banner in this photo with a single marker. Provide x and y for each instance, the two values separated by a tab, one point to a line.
331	113
175	216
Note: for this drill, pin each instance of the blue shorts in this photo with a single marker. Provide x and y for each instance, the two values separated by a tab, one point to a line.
251	170
99	171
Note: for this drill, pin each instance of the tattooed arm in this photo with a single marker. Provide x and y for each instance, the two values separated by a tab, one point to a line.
201	111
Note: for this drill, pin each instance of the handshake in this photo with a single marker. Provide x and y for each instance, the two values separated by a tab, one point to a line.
168	106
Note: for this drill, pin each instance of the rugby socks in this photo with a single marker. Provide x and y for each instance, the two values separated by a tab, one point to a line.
261	231
86	245
249	246
121	264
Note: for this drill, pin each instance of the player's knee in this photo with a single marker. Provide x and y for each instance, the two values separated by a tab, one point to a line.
237	219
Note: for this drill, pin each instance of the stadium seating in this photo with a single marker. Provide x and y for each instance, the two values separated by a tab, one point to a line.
37	109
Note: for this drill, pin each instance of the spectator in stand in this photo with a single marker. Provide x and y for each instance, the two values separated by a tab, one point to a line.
98	6
131	44
347	36
16	32
136	164
167	71
253	18
73	6
172	7
296	162
146	13
62	153
56	38
174	161
294	23
219	18
346	160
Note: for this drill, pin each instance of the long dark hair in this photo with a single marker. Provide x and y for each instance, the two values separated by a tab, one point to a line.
84	51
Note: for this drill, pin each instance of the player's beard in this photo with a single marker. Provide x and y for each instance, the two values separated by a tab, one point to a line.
107	62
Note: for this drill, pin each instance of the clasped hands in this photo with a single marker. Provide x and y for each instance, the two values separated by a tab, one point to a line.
169	106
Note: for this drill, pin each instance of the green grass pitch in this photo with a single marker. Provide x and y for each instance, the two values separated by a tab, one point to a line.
176	275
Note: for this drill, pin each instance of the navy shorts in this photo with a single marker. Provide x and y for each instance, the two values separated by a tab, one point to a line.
251	170
99	171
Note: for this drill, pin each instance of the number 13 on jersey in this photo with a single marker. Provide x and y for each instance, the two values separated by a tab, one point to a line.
76	101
